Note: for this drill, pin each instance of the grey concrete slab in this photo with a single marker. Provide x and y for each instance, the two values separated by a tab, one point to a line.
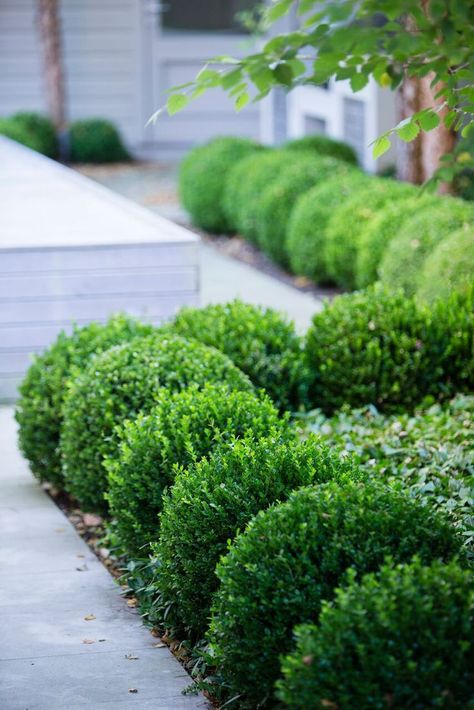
54	597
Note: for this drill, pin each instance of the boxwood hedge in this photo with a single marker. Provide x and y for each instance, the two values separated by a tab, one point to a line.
183	427
214	499
118	385
293	556
202	178
323	145
401	638
450	267
42	128
39	407
19	133
95	140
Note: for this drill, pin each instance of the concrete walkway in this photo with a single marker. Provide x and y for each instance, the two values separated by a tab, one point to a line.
67	639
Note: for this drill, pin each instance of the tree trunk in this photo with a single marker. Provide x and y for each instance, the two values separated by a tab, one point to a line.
51	48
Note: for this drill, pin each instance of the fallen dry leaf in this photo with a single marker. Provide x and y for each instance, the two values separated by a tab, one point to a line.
91	521
87	641
131	657
159	645
133	690
132	602
89	617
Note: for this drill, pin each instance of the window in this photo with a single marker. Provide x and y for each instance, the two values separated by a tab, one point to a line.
204	15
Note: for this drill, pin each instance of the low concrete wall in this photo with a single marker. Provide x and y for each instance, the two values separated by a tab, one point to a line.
71	251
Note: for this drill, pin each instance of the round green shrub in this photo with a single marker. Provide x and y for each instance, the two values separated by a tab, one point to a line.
279	197
323	145
202	178
372	347
183	427
118	385
450	267
379	232
401	638
293	556
96	141
261	342
245	184
347	224
19	133
41	128
403	261
214	499
39	407
307	226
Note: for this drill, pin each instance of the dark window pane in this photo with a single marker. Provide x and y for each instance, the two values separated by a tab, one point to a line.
204	15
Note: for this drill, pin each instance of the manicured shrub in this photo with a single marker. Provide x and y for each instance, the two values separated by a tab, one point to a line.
214	499
401	638
19	133
41	128
293	556
95	140
307	226
279	197
347	224
403	261
323	145
246	183
183	427
202	177
428	454
450	267
39	407
118	385
372	347
261	342
379	232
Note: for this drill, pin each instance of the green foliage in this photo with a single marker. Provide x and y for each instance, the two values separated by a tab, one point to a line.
450	267
307	226
403	261
202	178
41	128
96	141
279	197
379	232
374	347
245	184
19	133
118	385
293	556
217	497
323	145
183	427
404	634
428	454
351	219
39	407
261	342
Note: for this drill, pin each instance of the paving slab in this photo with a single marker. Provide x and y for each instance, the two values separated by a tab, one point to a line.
54	596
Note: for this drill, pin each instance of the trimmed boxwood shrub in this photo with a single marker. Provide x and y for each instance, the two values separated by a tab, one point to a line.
293	556
245	185
372	347
118	385
307	226
450	267
38	410
202	177
214	499
403	261
278	199
41	128
379	232
347	224
261	342
401	638
95	140
19	133
323	145
183	427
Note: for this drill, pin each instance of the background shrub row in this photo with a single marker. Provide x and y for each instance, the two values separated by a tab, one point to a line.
311	210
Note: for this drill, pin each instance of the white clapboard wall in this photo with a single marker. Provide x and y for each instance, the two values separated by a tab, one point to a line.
72	251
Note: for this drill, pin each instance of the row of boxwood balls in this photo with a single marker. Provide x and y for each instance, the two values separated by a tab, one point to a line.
171	439
310	209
